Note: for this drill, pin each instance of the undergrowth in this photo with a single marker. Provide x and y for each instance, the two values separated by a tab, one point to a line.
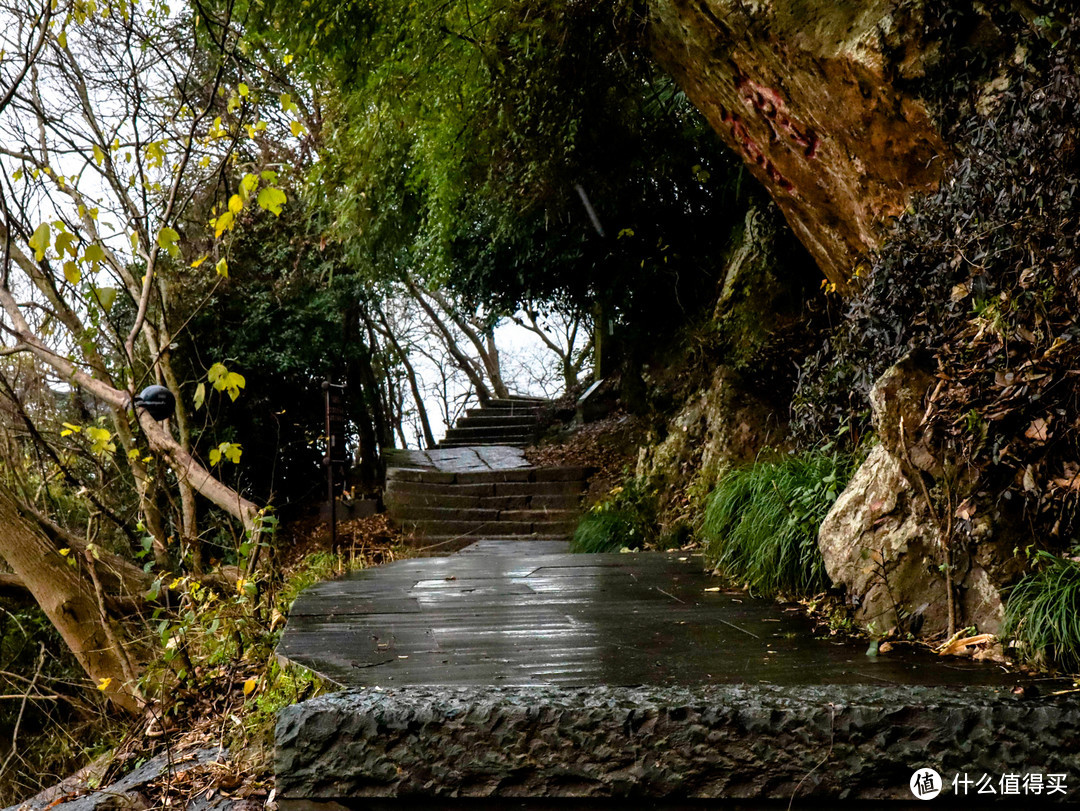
1043	613
761	522
626	518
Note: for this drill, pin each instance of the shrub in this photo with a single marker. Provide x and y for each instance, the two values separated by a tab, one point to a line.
761	522
625	518
1043	612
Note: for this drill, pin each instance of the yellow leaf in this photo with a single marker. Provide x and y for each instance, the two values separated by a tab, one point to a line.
240	583
72	272
215	373
200	260
40	240
243	90
236	205
222	267
223	223
297	128
103	684
249	686
200	395
61	39
133	453
233	383
272	199
65	552
215	456
166	239
99	155
65	243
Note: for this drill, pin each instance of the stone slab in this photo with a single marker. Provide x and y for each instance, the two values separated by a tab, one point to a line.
533	619
458	460
768	743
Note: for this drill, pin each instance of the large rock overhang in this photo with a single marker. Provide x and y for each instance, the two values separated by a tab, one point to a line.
812	94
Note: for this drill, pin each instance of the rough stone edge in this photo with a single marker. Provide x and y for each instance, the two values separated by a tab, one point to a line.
759	742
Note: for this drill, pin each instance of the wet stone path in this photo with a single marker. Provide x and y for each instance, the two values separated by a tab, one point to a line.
513	614
517	674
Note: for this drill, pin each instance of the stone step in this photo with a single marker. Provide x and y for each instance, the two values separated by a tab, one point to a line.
410	513
525	475
490	432
522	409
441	545
435	490
485	420
488	529
400	499
473	443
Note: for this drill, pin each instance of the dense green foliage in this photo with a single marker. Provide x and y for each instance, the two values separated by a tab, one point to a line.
289	316
625	518
982	277
457	136
761	522
1043	613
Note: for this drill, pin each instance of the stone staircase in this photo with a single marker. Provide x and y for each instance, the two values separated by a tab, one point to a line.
449	510
510	422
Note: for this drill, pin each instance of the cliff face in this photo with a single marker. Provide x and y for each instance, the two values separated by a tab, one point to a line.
812	94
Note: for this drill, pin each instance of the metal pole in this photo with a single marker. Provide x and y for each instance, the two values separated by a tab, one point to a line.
328	460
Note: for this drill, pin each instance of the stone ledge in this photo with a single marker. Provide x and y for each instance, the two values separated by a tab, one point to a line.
746	742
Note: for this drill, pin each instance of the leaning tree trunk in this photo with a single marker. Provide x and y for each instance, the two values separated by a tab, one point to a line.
67	596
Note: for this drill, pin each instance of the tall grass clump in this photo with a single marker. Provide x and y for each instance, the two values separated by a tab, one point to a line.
1043	613
626	517
761	521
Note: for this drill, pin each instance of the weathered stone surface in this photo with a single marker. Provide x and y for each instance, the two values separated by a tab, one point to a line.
880	542
884	550
719	425
814	95
711	742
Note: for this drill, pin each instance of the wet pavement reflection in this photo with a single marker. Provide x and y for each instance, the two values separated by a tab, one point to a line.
528	616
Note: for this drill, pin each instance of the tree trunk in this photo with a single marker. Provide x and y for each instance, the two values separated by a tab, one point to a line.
67	597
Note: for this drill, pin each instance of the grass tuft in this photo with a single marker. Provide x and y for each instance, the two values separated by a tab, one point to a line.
1043	613
761	522
626	517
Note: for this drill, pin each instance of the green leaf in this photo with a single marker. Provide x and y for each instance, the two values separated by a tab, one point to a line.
166	239
94	254
106	296
65	243
40	240
272	199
